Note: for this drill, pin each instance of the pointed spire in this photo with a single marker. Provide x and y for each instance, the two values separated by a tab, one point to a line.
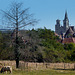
66	17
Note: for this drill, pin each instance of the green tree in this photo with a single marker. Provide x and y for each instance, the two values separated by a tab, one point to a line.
54	51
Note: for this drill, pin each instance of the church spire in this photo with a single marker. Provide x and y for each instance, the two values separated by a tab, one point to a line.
66	17
66	22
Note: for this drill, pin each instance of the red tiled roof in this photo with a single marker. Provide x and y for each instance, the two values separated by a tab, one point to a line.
58	35
68	40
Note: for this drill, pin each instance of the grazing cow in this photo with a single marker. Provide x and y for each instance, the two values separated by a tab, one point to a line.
6	69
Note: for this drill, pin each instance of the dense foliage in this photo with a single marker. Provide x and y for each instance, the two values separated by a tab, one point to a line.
38	46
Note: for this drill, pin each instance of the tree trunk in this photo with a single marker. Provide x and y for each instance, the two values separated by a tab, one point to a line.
17	50
17	41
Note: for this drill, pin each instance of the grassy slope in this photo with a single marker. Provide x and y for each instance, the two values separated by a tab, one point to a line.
43	72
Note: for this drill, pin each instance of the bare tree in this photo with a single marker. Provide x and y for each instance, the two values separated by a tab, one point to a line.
18	18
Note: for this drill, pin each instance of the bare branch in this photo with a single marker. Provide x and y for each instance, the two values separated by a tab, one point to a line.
22	12
18	18
8	14
30	23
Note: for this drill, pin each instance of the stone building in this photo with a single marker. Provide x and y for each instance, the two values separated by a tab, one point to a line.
66	31
62	29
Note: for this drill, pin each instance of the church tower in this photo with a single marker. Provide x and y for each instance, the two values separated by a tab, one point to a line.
57	26
66	22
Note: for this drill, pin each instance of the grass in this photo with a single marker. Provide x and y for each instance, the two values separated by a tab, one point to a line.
42	72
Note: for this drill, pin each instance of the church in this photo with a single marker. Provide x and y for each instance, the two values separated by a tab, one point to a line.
62	29
66	32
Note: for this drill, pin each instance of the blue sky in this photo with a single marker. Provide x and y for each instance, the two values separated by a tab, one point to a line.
46	10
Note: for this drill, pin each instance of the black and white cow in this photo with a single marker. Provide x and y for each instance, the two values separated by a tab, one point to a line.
6	69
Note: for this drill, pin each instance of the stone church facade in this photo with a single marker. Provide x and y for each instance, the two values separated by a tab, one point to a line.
62	29
66	32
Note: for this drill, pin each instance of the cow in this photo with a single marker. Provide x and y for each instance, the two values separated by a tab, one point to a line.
6	69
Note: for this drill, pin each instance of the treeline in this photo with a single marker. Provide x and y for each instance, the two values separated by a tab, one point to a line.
39	45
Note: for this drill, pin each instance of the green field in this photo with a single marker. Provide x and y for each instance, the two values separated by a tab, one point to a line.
42	72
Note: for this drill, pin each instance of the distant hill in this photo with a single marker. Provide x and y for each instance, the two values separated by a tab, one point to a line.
6	30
